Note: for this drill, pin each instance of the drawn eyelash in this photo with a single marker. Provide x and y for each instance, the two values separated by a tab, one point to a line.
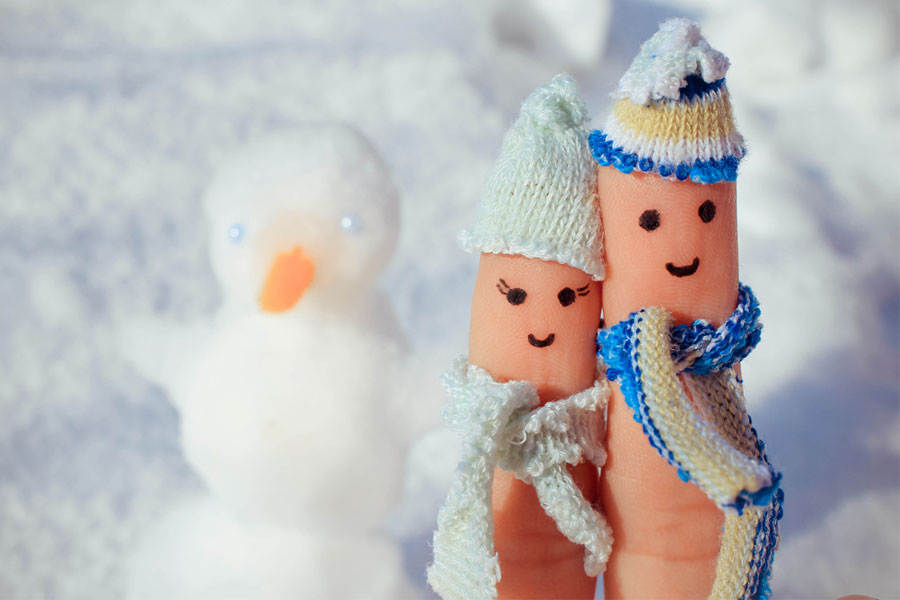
585	290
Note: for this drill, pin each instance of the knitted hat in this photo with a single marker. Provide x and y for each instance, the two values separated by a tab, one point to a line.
673	114
540	200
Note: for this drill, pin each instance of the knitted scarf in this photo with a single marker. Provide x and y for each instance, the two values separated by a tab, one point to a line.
502	424
705	433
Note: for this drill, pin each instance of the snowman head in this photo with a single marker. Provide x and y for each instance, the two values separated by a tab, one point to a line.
310	215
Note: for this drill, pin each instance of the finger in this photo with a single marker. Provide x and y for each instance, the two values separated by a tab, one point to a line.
519	301
667	531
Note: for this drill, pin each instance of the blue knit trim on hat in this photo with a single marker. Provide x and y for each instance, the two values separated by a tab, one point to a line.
700	171
695	87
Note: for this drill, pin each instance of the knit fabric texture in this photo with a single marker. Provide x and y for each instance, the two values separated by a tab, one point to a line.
540	200
502	424
705	433
672	114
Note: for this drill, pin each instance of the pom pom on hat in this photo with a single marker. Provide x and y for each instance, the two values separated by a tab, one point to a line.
556	105
540	200
673	115
664	62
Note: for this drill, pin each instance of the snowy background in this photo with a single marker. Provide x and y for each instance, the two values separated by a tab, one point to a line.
114	117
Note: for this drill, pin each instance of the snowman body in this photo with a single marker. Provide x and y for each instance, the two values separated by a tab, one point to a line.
284	421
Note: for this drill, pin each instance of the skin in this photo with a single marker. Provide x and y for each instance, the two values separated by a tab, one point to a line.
536	560
667	531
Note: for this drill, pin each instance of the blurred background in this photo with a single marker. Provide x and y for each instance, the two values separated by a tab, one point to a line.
116	118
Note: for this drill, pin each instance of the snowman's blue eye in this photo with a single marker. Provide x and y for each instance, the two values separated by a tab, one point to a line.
236	233
351	224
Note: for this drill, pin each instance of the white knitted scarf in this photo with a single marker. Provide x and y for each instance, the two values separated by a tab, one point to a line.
501	425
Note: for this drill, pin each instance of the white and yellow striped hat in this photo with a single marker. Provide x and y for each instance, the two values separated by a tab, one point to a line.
673	112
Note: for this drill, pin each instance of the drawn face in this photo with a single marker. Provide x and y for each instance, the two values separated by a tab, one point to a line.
566	296
530	317
668	243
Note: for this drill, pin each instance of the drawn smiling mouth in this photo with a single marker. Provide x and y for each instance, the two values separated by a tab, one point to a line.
541	343
683	271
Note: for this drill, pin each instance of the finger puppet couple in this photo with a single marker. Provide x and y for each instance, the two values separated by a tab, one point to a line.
607	328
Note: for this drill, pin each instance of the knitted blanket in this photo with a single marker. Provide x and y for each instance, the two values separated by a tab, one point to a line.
705	431
502	424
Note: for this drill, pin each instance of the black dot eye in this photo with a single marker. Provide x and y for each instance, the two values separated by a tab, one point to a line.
649	219
566	296
516	296
707	211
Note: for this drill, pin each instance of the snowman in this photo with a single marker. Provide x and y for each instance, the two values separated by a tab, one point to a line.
289	402
284	416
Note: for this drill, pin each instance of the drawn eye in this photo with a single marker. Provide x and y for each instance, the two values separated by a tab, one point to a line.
566	296
236	233
707	211
514	296
649	219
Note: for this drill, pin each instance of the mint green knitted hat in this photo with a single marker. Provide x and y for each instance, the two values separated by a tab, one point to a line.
540	200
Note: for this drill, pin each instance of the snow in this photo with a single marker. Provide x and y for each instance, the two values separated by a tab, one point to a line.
217	556
115	118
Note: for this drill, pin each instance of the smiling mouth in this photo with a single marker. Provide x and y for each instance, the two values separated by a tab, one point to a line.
683	271
541	343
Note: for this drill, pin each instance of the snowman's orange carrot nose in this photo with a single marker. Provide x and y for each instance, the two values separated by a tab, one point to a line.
289	276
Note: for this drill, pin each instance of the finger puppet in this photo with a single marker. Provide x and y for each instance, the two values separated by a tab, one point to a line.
528	399
283	408
681	323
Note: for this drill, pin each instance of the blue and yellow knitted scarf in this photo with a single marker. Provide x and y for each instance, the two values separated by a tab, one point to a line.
711	440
